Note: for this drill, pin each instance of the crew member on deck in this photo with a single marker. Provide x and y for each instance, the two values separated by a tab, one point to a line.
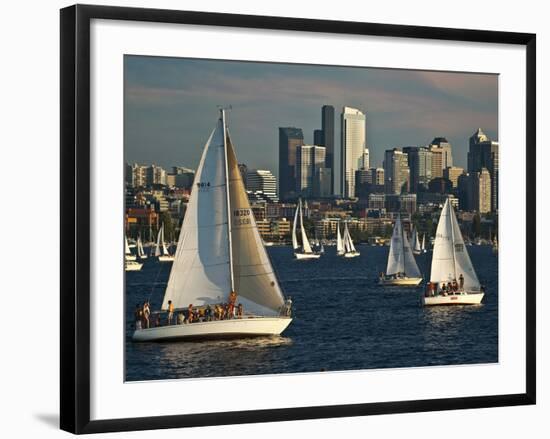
231	305
461	281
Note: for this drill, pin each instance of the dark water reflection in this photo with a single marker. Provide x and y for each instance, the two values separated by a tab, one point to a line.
342	320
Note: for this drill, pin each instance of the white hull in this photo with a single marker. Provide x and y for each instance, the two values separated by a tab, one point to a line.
307	255
234	328
130	257
454	299
132	266
417	252
402	282
143	257
351	255
166	258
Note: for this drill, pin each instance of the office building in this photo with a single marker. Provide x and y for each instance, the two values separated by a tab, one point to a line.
481	191
483	153
327	127
396	171
419	159
318	138
353	143
452	173
262	180
446	150
290	139
156	175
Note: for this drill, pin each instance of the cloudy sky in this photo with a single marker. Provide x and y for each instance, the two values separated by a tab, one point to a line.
171	107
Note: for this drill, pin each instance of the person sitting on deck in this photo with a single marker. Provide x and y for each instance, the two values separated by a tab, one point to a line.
240	311
181	318
170	312
190	313
461	282
455	286
444	289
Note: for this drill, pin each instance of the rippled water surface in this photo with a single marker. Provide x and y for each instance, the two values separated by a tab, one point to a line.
342	320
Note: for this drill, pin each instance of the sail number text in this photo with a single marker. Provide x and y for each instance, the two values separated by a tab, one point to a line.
241	217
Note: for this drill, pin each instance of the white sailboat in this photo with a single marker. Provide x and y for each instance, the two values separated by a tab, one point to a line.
423	246
417	249
140	251
305	251
220	254
451	263
128	255
349	249
161	251
401	269
339	242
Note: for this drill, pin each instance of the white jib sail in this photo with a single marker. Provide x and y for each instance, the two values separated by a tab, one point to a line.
255	282
396	258
409	263
305	241
339	242
416	241
350	241
164	248
450	257
423	242
201	273
140	251
295	245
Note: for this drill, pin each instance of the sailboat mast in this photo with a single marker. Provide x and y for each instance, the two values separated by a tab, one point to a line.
229	241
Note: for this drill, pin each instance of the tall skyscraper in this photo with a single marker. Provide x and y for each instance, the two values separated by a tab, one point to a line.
483	153
377	176
290	139
327	127
446	150
437	161
262	180
365	159
354	139
396	171
481	192
318	138
309	160
420	165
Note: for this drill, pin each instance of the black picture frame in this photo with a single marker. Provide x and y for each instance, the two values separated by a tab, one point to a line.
75	216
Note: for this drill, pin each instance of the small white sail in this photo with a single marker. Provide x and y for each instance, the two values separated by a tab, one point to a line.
305	241
165	251
140	250
339	242
423	248
415	241
350	246
396	262
157	246
450	257
410	267
126	246
295	245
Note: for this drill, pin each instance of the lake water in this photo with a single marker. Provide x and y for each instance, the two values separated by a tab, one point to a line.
342	321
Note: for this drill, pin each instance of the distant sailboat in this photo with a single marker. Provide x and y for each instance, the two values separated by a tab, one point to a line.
423	246
128	255
132	266
451	263
161	251
495	245
417	248
340	250
349	249
401	269
305	251
220	257
141	253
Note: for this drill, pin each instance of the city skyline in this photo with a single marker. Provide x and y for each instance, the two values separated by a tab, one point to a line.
170	103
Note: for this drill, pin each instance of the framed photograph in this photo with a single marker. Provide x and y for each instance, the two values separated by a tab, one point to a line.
274	218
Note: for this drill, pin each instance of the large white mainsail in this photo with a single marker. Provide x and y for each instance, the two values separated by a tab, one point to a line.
201	272
219	247
450	257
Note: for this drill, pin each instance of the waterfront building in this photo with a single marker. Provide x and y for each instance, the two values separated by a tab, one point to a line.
290	139
353	143
377	201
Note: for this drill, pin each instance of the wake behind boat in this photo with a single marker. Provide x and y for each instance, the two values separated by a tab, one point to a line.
453	280
402	270
221	284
